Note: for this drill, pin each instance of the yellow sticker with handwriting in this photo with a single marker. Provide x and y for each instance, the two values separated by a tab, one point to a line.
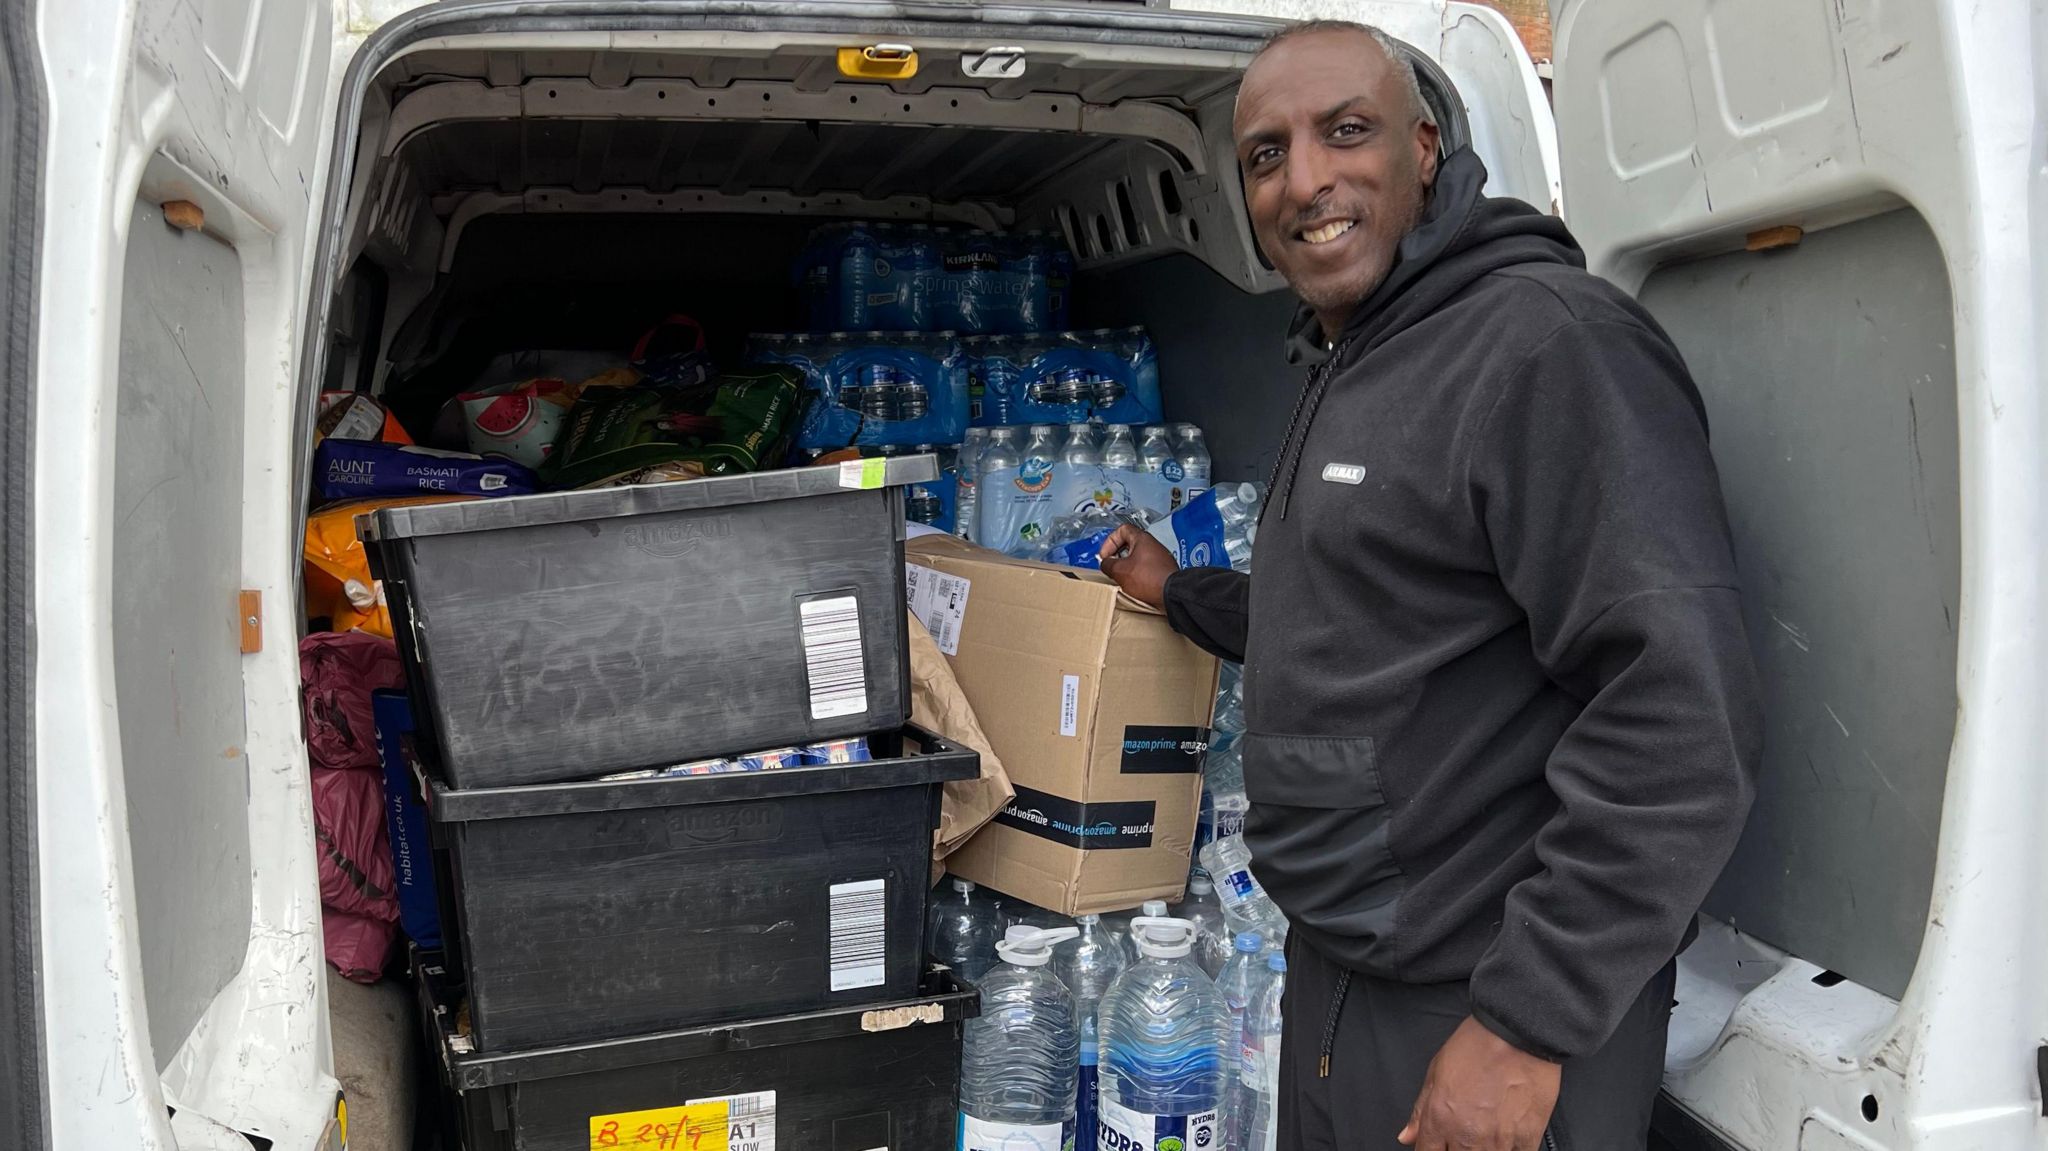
691	1127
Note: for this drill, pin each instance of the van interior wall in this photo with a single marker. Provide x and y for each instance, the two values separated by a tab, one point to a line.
1830	385
594	281
1221	353
598	280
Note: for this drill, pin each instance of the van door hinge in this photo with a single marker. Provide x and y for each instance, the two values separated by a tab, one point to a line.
251	615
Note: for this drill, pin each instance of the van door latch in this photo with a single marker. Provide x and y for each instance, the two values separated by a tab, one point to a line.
1000	63
878	62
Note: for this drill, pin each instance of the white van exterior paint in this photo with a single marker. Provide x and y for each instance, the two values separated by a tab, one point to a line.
1927	104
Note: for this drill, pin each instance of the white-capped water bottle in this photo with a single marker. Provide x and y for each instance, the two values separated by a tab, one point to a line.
1245	903
1258	1072
1080	449
1088	964
1193	453
1239	982
1119	925
1201	908
967	475
1119	451
1022	1055
964	931
1238	504
995	469
1164	1029
1153	449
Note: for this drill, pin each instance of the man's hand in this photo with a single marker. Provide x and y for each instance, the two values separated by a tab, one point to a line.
1138	563
1482	1094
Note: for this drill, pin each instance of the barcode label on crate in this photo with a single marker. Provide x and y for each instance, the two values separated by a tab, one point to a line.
859	914
832	656
731	1123
939	601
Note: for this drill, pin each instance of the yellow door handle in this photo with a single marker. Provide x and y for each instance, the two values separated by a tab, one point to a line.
878	62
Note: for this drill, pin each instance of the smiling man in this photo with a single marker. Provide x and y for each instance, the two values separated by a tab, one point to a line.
1503	722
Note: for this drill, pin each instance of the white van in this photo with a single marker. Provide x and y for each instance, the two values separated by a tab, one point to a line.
1828	203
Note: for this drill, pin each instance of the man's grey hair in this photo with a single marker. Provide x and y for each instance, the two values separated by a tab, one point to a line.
1403	66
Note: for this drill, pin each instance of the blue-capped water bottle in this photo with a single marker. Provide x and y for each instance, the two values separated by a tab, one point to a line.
1163	1032
1022	1055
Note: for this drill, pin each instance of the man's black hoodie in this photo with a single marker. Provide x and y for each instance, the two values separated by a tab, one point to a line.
1503	721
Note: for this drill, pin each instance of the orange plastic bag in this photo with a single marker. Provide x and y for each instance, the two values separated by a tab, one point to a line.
338	584
354	416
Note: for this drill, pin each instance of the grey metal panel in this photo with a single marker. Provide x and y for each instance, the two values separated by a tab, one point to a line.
1221	353
177	555
1829	375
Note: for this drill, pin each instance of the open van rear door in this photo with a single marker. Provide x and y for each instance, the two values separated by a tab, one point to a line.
1826	204
183	984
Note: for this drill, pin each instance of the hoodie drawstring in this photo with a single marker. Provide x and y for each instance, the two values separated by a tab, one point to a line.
1305	405
1336	1010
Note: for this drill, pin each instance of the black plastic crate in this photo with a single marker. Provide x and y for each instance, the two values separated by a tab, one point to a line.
587	911
883	1074
555	636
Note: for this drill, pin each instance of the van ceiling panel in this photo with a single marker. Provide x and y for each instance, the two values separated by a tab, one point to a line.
808	68
875	162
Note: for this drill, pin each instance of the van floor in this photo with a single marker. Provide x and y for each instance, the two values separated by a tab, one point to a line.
377	1059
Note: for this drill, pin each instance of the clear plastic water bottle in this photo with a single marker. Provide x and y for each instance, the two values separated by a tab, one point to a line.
1238	504
1153	448
1229	864
1119	925
1164	1028
1118	449
1238	544
1022	1055
1239	982
967	476
1224	795
998	465
1088	964
964	932
1080	449
1201	908
1258	1073
1193	453
1229	717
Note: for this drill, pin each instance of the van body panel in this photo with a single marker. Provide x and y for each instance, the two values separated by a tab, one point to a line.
180	906
1903	131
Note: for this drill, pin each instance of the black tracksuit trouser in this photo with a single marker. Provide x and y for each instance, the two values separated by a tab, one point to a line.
1379	1037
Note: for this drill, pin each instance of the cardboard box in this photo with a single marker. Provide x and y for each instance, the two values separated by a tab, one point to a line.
1099	712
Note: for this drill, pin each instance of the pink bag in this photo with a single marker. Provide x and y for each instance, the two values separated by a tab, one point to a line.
338	671
358	882
356	944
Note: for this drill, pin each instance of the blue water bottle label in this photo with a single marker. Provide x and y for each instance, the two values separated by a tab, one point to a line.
984	1135
1084	1101
1123	1129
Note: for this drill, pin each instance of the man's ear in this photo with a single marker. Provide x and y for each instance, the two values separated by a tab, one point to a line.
1426	143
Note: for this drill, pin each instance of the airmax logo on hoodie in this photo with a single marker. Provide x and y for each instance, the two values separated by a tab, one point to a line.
1344	473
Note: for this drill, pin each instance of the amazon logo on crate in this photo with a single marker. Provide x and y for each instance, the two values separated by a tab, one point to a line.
724	824
676	537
